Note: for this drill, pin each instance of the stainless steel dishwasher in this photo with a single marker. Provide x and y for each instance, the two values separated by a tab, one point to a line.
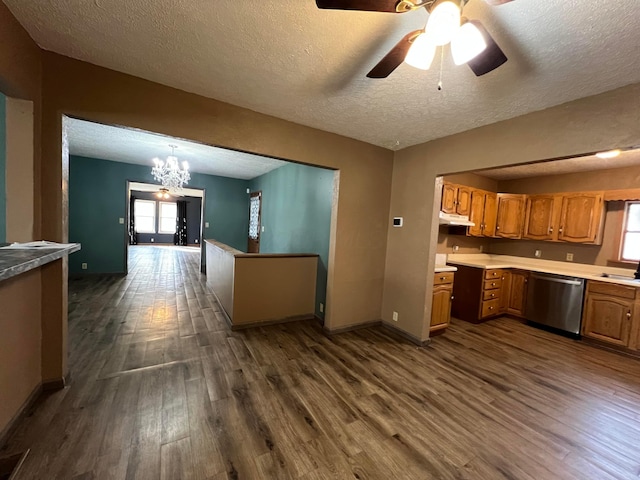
555	301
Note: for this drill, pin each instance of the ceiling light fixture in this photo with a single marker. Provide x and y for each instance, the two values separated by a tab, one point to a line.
608	154
421	53
444	22
163	193
467	43
169	173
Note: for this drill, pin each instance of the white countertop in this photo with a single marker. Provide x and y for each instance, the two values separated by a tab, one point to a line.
579	270
445	268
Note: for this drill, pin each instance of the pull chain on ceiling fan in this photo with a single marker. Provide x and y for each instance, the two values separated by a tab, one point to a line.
470	41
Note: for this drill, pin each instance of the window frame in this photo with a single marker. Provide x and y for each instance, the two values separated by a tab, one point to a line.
136	216
160	217
625	230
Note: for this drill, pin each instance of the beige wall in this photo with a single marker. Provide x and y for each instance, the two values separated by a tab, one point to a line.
592	124
358	248
19	343
20	360
20	184
272	288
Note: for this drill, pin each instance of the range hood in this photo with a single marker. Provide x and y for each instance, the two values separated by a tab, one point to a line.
455	220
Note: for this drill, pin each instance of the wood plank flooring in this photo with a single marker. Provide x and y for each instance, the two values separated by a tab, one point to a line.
162	389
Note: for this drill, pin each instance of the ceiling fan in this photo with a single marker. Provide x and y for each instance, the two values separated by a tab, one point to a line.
470	41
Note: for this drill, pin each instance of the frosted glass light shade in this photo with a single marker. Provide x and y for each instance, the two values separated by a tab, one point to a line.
444	22
467	44
421	53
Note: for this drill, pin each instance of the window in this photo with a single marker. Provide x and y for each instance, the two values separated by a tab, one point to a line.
630	245
145	216
168	214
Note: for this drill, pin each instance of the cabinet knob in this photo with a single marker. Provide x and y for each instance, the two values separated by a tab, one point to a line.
560	229
490	308
550	229
452	297
493	295
497	227
628	314
442	278
493	284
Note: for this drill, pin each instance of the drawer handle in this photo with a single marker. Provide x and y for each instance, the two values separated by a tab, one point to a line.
490	308
629	314
493	295
442	278
493	284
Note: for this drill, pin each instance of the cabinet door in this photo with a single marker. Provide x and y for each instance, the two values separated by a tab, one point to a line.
580	217
449	197
510	215
518	292
490	214
505	291
463	205
539	217
476	214
608	318
441	307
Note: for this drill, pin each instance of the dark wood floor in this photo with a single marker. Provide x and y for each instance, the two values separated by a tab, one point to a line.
163	389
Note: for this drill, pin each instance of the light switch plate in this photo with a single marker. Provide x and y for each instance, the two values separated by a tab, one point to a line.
121	221
262	228
206	224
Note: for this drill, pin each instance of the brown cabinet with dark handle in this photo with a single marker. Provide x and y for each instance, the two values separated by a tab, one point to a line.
609	314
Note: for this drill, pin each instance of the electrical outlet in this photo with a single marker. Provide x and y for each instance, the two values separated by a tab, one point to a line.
569	257
456	248
395	316
84	266
262	228
121	221
153	240
206	224
538	253
321	307
197	241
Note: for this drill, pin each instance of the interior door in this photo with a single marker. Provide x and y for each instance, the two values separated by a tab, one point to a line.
255	217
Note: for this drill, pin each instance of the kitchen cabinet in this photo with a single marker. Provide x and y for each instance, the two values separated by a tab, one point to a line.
581	217
609	313
441	306
542	217
456	199
483	213
510	216
477	293
517	295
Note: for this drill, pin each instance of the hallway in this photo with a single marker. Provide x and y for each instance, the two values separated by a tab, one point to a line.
161	388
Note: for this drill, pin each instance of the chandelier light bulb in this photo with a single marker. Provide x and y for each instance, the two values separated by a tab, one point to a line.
467	43
444	22
421	52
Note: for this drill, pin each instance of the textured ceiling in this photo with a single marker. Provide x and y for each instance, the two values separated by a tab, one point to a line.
88	139
291	60
630	158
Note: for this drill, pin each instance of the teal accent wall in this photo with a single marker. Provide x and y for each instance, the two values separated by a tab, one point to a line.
97	199
3	168
296	215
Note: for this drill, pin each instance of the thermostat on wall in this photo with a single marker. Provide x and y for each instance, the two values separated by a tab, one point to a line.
397	221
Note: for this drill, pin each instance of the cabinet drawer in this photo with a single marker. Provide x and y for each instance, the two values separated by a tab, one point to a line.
612	289
491	284
493	273
490	307
491	294
442	278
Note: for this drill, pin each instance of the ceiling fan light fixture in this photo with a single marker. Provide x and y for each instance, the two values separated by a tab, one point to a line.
421	53
444	22
468	43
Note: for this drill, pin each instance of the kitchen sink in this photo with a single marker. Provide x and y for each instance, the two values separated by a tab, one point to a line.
618	277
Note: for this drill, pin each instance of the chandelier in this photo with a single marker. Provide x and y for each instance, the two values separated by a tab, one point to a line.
169	173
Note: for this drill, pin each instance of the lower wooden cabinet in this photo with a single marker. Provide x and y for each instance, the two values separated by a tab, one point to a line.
610	314
441	306
519	281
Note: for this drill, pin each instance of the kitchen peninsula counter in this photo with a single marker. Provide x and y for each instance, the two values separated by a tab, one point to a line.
14	261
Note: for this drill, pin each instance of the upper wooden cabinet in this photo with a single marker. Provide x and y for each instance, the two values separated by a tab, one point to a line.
581	217
541	217
456	199
510	217
483	213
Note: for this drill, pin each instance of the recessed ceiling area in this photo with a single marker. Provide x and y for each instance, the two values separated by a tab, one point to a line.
118	144
628	158
294	61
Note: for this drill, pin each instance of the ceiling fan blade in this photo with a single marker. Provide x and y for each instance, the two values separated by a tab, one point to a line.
365	5
497	2
395	57
491	58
